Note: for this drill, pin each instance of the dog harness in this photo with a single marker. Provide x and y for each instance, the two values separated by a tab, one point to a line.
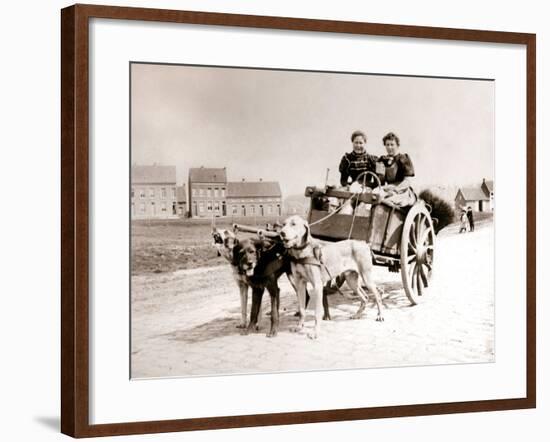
316	260
311	260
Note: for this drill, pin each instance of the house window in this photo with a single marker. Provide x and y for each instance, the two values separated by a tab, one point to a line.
201	192
133	209
216	206
201	207
209	206
216	191
142	208
209	192
234	209
163	207
153	211
173	193
223	191
132	192
151	192
163	193
194	191
269	209
252	210
142	193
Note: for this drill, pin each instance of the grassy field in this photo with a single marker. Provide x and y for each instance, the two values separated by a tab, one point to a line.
168	245
160	246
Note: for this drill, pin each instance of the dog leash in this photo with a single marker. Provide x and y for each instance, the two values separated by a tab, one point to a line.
335	211
331	278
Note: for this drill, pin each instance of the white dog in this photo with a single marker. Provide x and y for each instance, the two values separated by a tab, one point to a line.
316	264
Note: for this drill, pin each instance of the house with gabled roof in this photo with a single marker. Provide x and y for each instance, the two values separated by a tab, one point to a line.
212	195
254	198
487	187
207	192
153	192
480	199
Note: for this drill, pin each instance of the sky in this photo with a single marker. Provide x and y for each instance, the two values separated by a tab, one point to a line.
291	126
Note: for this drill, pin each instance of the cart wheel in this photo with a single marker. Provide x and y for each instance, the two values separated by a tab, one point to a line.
417	252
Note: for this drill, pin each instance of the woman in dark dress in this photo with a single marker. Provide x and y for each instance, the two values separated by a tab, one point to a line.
397	174
357	161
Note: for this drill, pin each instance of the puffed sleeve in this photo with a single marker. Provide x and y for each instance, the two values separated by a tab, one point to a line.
343	168
373	159
406	165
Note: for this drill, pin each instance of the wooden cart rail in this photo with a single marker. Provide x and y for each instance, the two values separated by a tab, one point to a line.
401	239
365	197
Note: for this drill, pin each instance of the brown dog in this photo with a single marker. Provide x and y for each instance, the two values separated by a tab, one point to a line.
258	263
316	264
225	241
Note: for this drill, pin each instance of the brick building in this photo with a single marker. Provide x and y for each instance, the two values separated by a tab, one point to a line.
254	198
207	192
153	192
211	195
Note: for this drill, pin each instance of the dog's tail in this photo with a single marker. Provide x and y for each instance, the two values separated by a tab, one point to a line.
443	213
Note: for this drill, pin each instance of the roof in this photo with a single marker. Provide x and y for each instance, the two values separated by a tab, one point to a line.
207	175
473	194
241	189
153	174
489	184
181	194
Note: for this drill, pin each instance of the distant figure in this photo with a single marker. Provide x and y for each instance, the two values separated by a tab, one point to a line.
463	222
470	215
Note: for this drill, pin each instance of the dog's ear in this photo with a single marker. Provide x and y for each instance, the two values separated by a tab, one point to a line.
216	236
237	251
262	244
230	242
307	236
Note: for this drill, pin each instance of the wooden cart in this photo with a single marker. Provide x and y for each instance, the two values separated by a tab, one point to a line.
401	239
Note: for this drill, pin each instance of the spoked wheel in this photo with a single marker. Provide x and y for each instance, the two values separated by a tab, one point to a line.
417	252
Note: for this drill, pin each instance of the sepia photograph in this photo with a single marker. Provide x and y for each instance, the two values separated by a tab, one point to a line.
291	221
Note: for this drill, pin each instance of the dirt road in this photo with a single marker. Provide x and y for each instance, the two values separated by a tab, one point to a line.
184	322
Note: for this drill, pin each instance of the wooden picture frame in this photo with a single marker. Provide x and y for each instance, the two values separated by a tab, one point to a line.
75	219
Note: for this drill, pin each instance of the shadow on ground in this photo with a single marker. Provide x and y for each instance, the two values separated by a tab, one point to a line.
341	310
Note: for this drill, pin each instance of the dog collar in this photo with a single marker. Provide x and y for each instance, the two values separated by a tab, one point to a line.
302	247
311	260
